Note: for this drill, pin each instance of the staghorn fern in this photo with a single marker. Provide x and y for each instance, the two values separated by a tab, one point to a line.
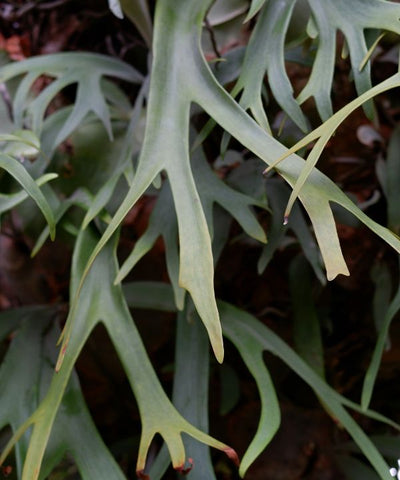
179	78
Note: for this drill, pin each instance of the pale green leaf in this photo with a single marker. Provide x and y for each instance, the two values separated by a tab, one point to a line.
9	201
14	168
162	223
80	198
27	371
84	69
106	304
240	326
251	338
190	394
138	12
255	7
267	45
104	194
225	11
22	143
322	135
181	70
351	19
270	418
163	219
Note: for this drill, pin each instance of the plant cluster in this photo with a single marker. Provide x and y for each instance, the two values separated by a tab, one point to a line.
76	171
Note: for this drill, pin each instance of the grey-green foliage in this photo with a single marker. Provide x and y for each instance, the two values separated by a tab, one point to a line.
18	146
327	18
193	213
27	370
94	93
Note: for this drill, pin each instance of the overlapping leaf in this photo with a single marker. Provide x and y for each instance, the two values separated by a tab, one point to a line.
80	198
322	134
247	177
24	143
11	200
180	76
252	338
15	169
190	394
87	70
255	6
267	44
27	370
163	219
242	328
278	194
138	12
352	19
95	161
102	302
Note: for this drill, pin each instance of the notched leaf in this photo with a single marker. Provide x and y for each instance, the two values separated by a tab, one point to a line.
352	19
84	69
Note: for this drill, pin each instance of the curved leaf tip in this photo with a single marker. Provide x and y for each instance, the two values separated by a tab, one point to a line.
218	348
230	453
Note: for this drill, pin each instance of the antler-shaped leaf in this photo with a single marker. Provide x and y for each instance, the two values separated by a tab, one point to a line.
180	76
190	393
352	19
27	372
267	44
162	222
85	69
107	305
316	193
251	338
322	134
166	148
163	219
